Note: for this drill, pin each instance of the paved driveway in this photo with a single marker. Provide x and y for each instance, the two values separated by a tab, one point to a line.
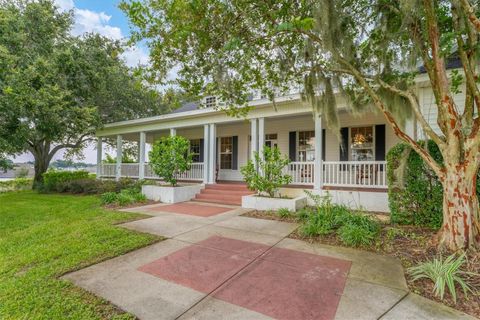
219	265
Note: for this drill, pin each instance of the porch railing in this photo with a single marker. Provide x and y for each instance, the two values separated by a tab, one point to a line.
108	170
360	174
195	173
301	172
364	174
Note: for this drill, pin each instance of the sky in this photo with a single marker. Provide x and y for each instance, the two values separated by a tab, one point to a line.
104	17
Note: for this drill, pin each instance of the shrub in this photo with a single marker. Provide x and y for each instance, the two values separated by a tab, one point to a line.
415	194
85	186
270	174
58	180
123	198
284	213
170	156
443	273
356	235
108	197
15	184
352	228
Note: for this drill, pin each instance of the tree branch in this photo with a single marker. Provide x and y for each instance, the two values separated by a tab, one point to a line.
416	109
470	13
75	145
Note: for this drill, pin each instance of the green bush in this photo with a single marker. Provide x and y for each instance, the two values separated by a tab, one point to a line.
108	197
356	235
415	194
270	174
16	184
57	181
83	186
352	228
284	213
170	157
123	198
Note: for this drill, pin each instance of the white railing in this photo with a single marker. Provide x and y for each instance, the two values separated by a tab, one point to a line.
130	170
301	172
364	174
108	169
195	172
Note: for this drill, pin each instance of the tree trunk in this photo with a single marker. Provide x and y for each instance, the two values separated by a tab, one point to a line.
460	229
41	166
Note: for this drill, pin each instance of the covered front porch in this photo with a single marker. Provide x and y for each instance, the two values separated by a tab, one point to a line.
320	157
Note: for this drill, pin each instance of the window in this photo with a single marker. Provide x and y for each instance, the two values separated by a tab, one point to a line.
226	147
306	146
362	144
271	140
195	150
210	101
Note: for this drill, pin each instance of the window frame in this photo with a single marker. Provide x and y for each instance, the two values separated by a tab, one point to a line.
350	142
195	154
222	153
298	151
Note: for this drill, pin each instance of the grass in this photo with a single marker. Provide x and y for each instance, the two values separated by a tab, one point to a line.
45	236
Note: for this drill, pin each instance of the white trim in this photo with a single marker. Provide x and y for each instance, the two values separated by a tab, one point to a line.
141	155
118	174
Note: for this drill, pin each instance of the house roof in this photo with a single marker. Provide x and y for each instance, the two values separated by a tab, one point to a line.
189	106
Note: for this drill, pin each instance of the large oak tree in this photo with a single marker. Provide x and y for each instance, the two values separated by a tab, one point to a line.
57	89
368	51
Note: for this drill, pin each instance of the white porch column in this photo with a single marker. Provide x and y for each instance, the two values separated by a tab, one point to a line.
141	155
173	132
206	148
261	136
118	173
99	156
254	139
318	171
212	156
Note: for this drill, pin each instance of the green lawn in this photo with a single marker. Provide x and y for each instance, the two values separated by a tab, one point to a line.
45	236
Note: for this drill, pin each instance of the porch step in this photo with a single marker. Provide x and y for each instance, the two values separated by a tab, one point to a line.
223	193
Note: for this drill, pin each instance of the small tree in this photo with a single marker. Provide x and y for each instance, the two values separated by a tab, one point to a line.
270	176
170	156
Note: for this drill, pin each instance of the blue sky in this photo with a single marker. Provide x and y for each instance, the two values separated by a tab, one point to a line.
104	17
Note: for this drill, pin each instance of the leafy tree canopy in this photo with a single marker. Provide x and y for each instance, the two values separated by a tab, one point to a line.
360	53
57	89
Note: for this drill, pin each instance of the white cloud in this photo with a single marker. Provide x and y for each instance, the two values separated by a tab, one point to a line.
91	21
135	56
65	5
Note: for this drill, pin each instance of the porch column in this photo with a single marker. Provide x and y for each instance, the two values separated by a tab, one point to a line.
118	172
318	170
141	156
261	136
173	132
206	158
254	139
99	156
212	156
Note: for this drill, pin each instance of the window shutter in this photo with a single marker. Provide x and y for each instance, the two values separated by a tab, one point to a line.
380	142
201	156
235	153
344	144
292	145
324	148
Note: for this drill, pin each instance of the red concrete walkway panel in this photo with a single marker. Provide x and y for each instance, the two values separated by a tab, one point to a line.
287	284
245	249
193	209
200	268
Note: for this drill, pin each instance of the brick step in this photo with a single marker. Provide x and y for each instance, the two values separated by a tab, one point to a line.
226	192
226	197
219	201
227	186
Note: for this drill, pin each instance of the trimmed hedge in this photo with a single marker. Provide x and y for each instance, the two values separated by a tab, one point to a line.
56	181
420	200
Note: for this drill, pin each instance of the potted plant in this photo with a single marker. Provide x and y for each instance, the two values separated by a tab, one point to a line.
266	175
169	158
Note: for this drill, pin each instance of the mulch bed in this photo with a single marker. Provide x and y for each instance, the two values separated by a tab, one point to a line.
411	245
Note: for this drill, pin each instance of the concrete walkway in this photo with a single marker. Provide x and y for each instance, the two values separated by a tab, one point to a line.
217	264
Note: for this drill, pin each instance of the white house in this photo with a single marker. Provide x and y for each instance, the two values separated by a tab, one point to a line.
350	165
